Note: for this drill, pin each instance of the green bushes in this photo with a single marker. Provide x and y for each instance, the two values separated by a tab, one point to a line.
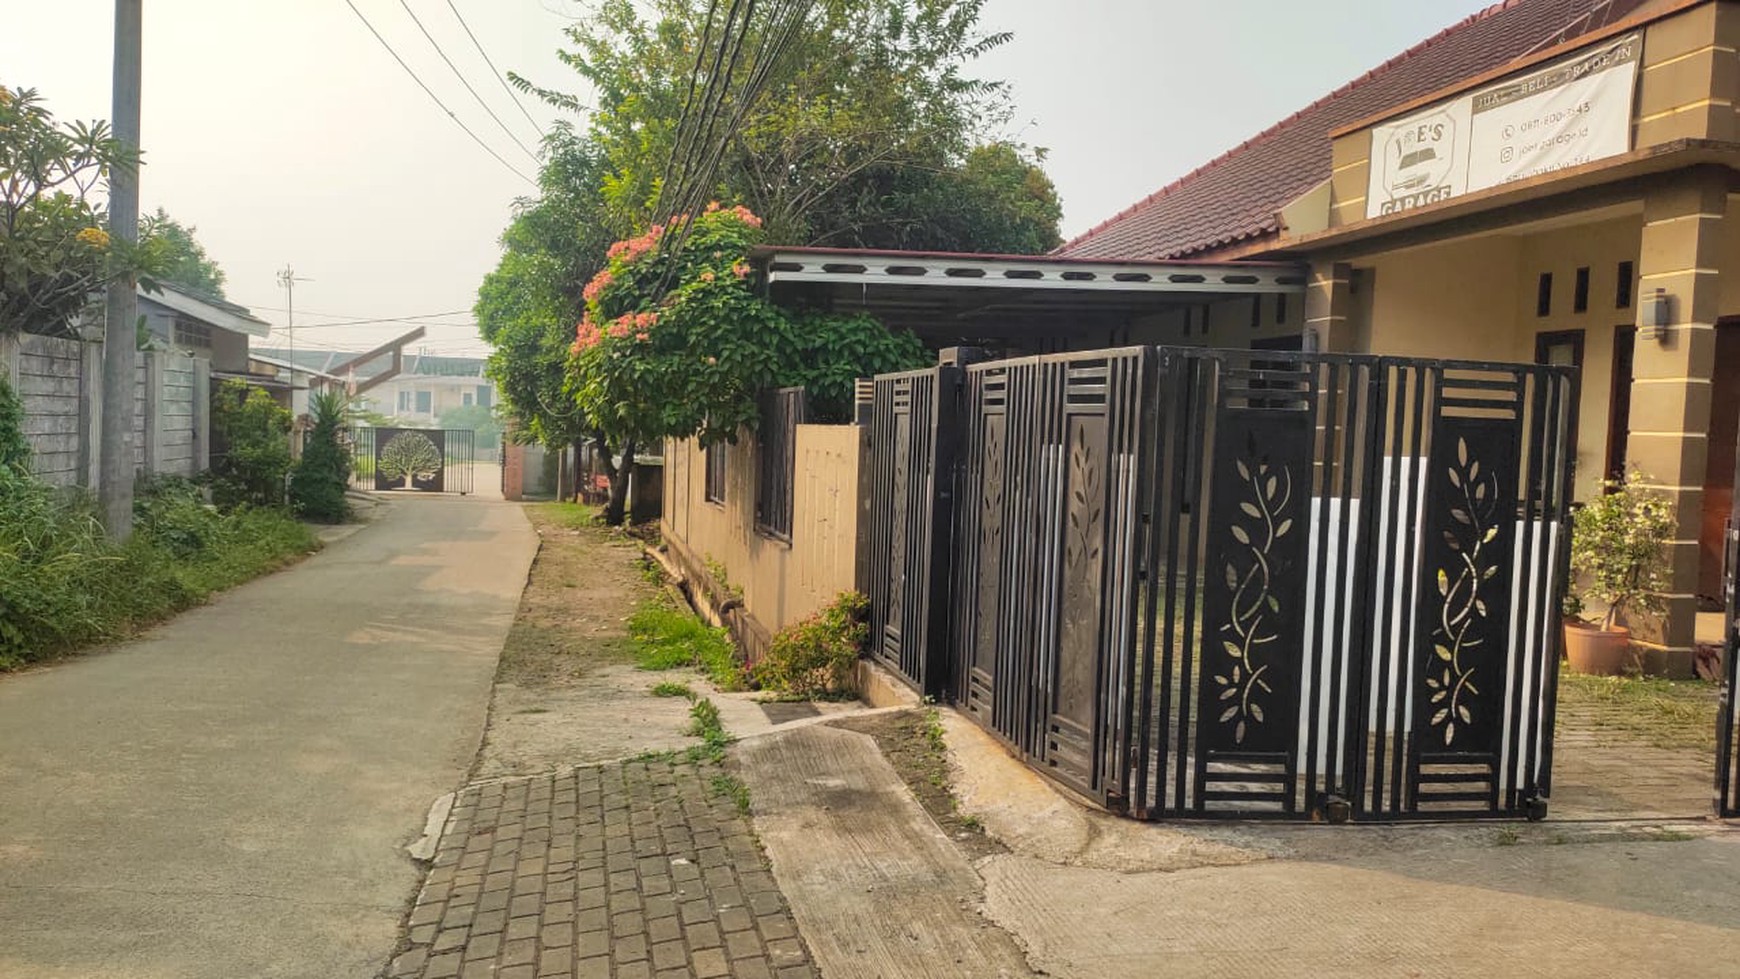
318	484
818	657
14	450
64	583
254	434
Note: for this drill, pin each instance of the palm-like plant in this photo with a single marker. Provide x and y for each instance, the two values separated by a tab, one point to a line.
318	484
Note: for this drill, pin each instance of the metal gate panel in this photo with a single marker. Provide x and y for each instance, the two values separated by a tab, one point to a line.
1298	630
1045	582
427	460
1202	583
912	434
1727	783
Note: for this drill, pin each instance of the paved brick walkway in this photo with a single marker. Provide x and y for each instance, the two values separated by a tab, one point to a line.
631	871
1602	772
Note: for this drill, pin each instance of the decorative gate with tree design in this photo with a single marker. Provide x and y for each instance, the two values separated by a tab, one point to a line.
1194	582
430	460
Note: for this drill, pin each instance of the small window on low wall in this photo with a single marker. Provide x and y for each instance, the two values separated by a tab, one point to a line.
715	489
782	411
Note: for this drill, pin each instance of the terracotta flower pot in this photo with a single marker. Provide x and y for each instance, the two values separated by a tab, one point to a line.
1597	651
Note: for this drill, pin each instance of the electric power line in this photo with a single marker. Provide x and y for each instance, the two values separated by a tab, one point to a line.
463	80
512	95
679	134
437	100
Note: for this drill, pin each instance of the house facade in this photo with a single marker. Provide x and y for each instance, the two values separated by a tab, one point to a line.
204	327
1546	181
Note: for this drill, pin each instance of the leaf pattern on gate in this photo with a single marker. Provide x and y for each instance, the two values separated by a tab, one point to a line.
1264	521
1086	504
1463	613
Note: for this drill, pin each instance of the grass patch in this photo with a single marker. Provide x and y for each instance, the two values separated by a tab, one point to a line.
566	516
732	787
666	637
704	724
1671	714
671	688
64	583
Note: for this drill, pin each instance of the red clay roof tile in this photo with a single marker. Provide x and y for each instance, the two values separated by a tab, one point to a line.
1235	196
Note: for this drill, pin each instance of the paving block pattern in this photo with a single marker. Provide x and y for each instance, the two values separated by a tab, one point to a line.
631	871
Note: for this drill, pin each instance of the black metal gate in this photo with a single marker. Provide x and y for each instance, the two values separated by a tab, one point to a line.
422	459
911	492
1727	794
1246	583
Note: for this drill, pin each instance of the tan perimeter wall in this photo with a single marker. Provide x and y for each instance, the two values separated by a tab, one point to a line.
781	582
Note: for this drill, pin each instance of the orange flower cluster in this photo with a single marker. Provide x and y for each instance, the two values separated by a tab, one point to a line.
632	248
588	334
744	214
599	283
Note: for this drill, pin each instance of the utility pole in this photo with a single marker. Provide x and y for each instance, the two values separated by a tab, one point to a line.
120	331
287	278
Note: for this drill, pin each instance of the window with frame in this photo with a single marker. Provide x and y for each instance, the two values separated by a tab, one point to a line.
782	411
192	336
715	488
425	402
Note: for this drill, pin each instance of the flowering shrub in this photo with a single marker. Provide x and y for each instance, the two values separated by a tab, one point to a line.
674	345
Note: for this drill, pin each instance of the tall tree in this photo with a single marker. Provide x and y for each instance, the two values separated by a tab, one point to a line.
870	116
528	306
183	260
869	132
54	253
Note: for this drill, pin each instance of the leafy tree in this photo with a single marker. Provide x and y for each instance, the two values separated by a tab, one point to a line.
182	258
319	481
527	307
870	132
865	135
409	456
680	345
252	454
54	253
481	421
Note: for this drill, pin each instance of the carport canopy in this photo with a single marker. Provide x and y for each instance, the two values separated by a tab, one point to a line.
952	299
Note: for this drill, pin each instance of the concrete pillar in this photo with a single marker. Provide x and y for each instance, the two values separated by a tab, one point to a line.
1668	440
1329	308
201	415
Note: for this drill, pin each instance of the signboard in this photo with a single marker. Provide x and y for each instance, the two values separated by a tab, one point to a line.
410	458
1566	114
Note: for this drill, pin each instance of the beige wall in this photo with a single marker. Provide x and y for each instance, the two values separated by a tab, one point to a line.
1475	298
782	582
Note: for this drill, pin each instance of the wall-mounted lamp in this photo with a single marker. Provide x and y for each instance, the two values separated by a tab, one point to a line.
1656	315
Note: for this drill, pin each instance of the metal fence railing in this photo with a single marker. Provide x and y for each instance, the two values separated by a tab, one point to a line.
1200	583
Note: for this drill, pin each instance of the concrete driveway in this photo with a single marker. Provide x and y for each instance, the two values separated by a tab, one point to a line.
229	796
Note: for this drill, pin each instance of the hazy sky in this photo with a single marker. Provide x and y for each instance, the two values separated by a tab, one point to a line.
287	134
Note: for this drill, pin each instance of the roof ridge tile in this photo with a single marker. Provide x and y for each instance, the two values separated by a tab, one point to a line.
1413	52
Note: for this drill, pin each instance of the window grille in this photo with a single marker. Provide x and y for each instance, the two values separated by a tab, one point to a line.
782	411
715	492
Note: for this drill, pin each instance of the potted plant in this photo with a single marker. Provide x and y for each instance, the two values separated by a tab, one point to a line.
1618	559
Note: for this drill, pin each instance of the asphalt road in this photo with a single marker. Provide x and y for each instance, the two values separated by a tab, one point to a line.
230	795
